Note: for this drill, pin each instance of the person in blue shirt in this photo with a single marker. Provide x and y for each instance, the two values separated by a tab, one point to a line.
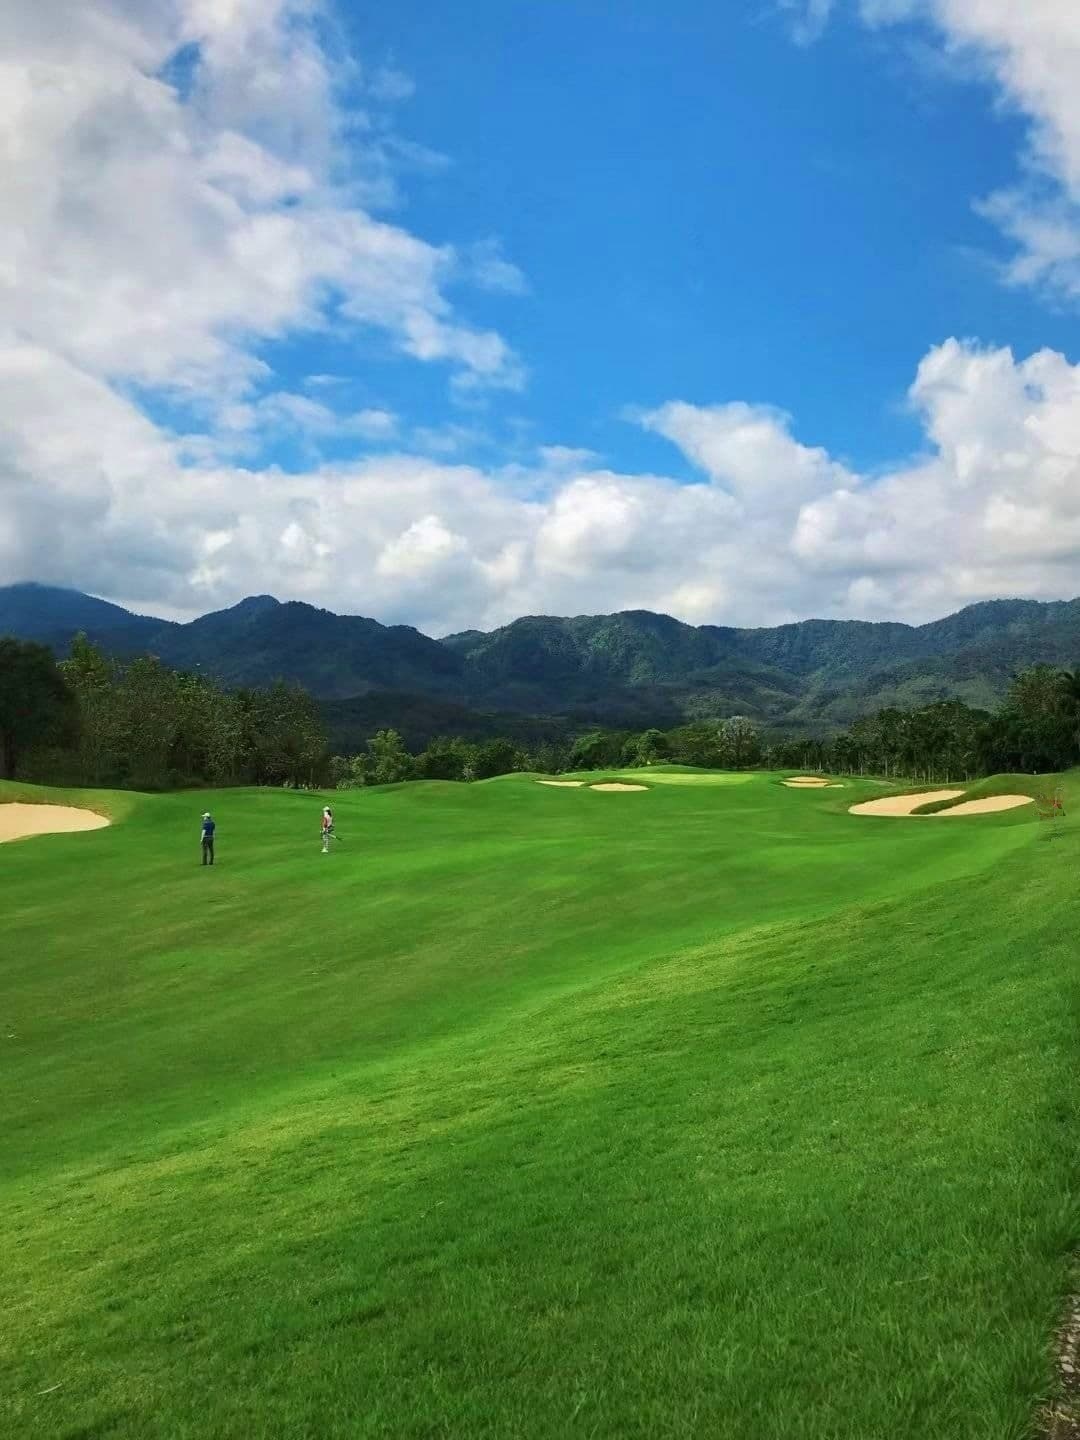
207	839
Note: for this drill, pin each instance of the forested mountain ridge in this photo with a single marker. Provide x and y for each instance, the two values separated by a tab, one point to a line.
51	616
254	642
630	668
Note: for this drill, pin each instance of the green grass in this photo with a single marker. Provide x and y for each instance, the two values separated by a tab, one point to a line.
537	1113
669	775
996	785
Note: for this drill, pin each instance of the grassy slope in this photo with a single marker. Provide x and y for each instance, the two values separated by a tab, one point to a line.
711	1111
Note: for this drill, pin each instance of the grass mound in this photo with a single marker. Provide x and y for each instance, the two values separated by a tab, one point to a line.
506	1120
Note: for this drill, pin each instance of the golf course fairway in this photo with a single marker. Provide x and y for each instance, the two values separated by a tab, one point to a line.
537	1111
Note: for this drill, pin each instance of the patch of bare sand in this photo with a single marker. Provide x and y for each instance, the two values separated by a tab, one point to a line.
902	804
17	821
562	784
615	785
987	805
808	782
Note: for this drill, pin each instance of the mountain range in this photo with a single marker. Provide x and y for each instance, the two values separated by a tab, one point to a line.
541	675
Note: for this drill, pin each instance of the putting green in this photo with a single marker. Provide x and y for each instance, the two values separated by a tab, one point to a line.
521	1114
685	777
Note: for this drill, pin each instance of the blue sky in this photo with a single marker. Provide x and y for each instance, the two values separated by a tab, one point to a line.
703	208
446	314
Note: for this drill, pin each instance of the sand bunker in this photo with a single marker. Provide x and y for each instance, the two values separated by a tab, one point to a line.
18	821
908	804
811	782
987	805
615	785
903	804
562	784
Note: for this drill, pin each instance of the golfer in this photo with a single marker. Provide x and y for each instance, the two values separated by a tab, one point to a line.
208	828
327	828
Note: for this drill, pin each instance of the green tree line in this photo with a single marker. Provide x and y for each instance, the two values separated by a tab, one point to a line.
1036	729
728	744
91	721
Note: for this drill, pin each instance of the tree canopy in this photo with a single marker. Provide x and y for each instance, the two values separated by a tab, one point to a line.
37	706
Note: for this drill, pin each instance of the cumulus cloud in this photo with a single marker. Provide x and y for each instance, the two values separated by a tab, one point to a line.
176	192
772	530
997	501
749	450
175	197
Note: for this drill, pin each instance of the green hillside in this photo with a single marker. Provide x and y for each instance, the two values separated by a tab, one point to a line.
631	670
708	1110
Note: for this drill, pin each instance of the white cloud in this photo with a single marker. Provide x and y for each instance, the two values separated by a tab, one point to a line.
425	551
488	267
749	451
159	223
1031	50
390	85
567	457
994	510
774	530
158	229
807	18
282	410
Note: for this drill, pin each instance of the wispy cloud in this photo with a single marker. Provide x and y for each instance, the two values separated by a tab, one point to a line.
485	265
807	19
1031	53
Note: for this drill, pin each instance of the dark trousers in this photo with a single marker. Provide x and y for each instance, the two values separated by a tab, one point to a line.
208	850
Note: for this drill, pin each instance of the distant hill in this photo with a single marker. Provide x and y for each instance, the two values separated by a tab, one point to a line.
252	643
542	675
52	616
335	656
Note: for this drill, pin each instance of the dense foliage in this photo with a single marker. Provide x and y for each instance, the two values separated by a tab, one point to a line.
35	705
94	721
1036	729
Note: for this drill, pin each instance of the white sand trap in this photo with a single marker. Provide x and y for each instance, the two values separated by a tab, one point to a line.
986	806
615	785
806	783
17	821
562	784
902	804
